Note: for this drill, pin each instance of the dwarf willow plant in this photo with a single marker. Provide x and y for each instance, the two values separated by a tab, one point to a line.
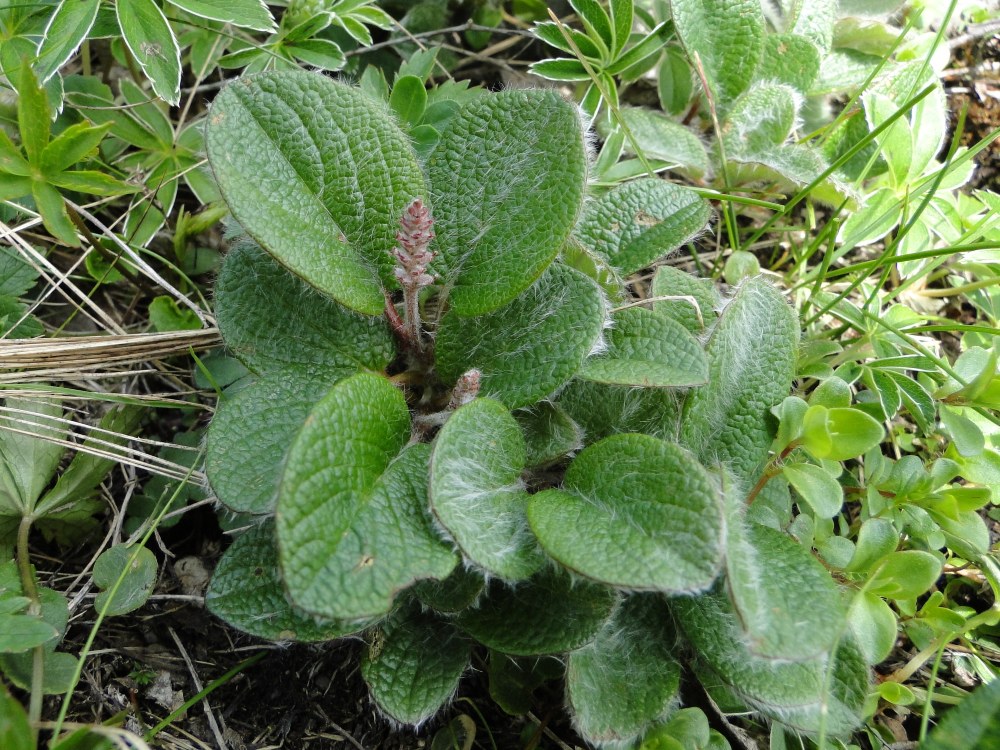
456	431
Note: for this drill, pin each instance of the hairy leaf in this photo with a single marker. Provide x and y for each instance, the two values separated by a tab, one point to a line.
475	489
530	347
603	410
696	317
636	512
327	205
507	181
659	137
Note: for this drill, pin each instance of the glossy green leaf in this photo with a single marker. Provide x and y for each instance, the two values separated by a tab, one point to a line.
549	433
659	137
413	665
840	433
274	322
507	181
904	575
800	694
476	493
247	593
636	512
727	36
641	221
530	347
127	575
65	31
788	606
649	350
250	434
603	410
751	357
548	614
873	625
327	207
814	484
696	317
409	99
558	69
153	45
627	678
248	14
332	472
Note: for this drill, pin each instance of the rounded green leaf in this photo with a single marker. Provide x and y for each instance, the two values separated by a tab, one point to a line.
331	473
873	625
751	357
761	119
636	512
127	574
247	593
904	575
476	493
548	614
798	694
627	678
789	607
22	632
272	321
414	662
250	434
659	137
327	202
642	221
452	594
821	491
530	347
58	670
649	350
549	433
507	182
839	433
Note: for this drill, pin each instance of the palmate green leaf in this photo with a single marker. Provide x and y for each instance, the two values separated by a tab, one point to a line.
12	161
153	45
670	281
751	357
603	410
135	568
247	593
507	182
66	30
414	662
476	493
627	678
248	14
799	694
547	614
250	434
52	207
659	137
274	322
648	350
30	461
530	347
92	182
635	512
789	607
642	221
70	146
727	36
327	207
352	524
